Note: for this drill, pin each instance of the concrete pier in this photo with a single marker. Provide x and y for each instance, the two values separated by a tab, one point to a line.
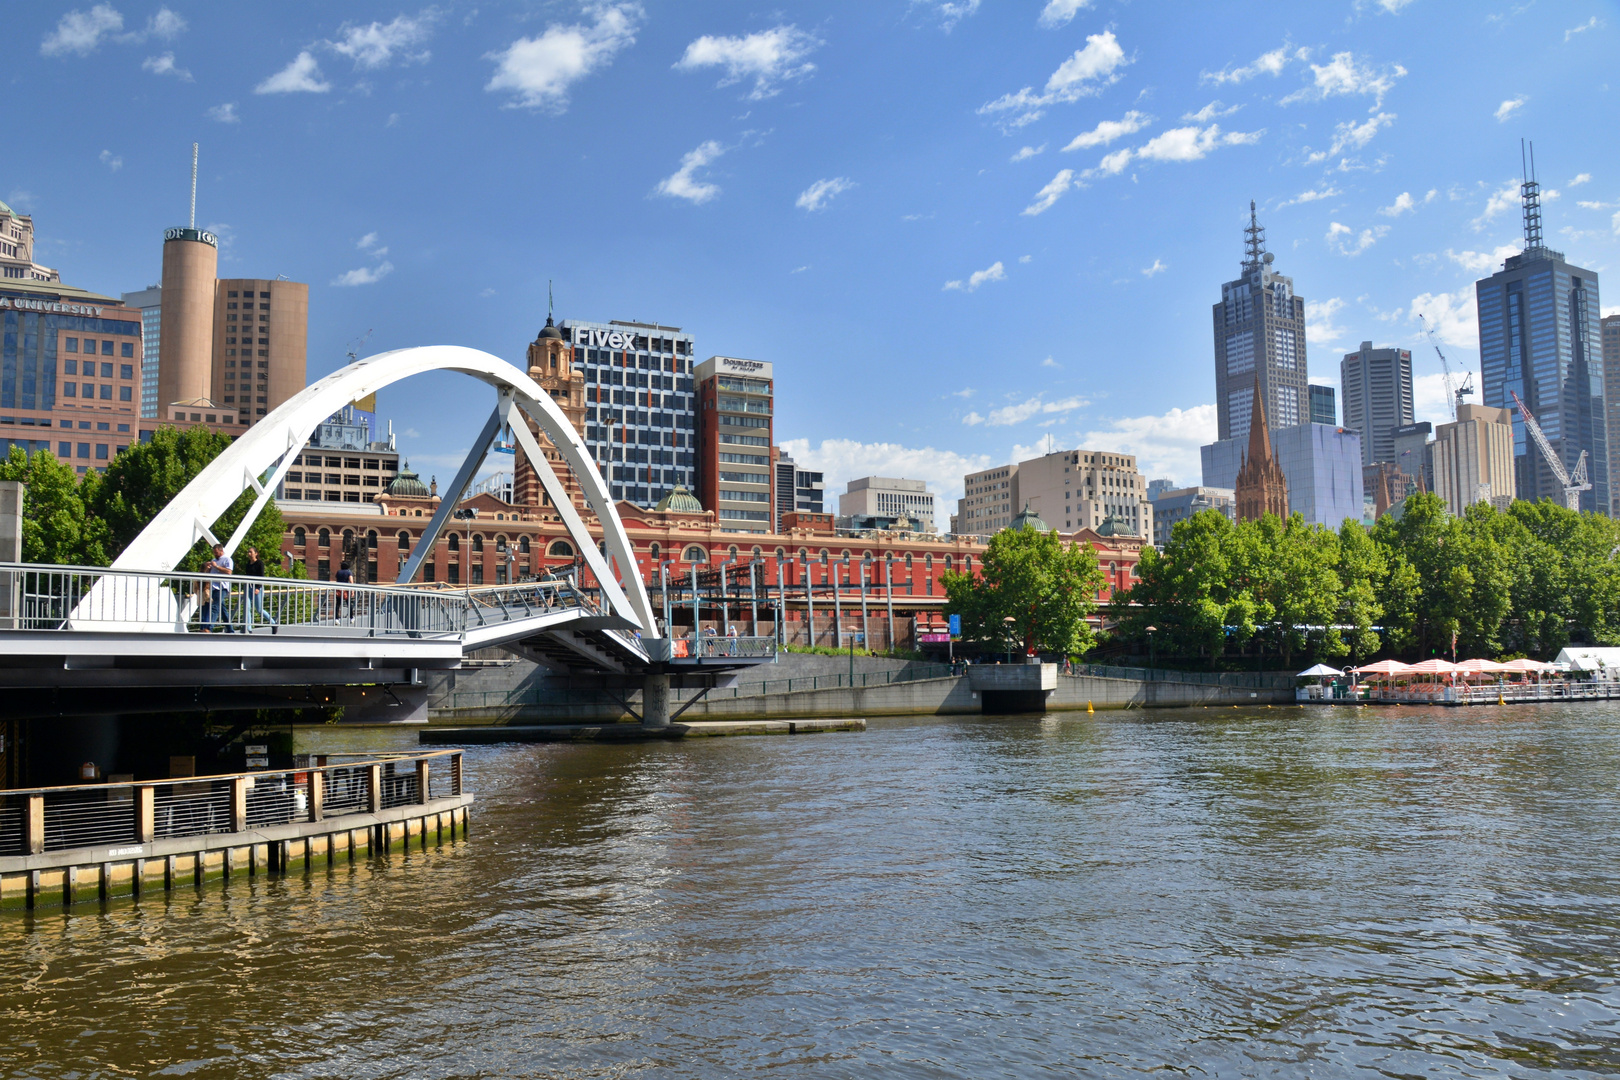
503	733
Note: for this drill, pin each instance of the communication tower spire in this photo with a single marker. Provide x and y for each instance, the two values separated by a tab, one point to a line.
193	185
1254	239
1530	194
550	302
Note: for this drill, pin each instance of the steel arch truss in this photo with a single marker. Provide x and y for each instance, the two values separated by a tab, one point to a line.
259	460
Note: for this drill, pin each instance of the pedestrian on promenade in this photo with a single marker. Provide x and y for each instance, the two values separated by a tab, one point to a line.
254	568
345	576
218	608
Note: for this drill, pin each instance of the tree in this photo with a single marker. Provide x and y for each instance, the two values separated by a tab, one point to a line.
57	527
1188	591
142	480
1045	587
1362	568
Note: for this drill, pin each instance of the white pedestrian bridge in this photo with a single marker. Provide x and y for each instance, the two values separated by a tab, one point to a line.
142	636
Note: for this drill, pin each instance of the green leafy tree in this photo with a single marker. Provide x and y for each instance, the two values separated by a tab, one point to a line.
1045	587
1188	592
57	526
1362	569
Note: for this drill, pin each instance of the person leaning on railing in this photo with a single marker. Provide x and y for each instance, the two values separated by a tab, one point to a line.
254	568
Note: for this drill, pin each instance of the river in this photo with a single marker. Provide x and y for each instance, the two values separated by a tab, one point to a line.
1208	892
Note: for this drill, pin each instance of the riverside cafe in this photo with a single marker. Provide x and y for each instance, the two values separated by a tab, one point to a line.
1433	681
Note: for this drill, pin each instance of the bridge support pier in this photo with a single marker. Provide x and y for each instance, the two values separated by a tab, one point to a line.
655	701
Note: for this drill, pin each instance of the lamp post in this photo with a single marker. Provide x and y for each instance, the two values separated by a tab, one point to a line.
1008	622
468	514
1150	632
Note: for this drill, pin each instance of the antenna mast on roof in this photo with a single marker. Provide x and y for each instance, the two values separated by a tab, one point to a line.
193	185
550	302
1530	194
1254	238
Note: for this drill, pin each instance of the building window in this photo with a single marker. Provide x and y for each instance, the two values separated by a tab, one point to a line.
299	536
324	538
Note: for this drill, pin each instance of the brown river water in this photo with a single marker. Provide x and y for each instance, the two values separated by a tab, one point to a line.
1210	892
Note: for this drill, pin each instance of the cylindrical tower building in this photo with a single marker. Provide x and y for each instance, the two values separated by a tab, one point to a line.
186	349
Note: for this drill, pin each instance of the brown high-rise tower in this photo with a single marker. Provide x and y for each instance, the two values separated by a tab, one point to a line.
551	364
1261	487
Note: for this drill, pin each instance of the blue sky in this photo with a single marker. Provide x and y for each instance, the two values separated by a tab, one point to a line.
963	231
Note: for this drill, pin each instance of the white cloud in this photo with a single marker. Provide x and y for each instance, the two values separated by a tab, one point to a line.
376	44
111	160
972	419
1271	63
994	272
950	12
1058	12
1505	199
1028	152
225	114
767	57
1403	204
366	275
1319	328
1342	76
165	24
1313	195
1051	193
369	242
1479	261
1393	6
1345	241
1157	268
1046	444
1112	164
82	31
817	195
1164	445
302	76
1352	136
1049	362
1589	24
1008	415
538	71
1109	130
1452	315
964	393
1583	178
1025	258
682	184
1212	111
843	460
1176	144
1505	110
1086	72
164	65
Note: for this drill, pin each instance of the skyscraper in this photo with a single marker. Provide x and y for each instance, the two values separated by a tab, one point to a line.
150	303
735	407
1259	340
1611	395
1377	385
1324	405
1540	338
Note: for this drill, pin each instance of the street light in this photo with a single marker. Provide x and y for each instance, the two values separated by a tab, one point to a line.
1150	632
469	515
1008	622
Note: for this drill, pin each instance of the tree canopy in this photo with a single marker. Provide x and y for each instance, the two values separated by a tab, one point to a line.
1045	587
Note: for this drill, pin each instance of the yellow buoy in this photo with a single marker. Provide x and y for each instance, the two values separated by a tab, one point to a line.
1089	709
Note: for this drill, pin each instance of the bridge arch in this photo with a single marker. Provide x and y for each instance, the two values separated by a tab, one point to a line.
259	460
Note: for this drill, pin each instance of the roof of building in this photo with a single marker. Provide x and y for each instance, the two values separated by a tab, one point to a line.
550	330
407	485
1027	518
4	209
679	499
55	290
1114	526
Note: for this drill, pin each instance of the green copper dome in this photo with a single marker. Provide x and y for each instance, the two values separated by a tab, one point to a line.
408	484
681	501
1028	519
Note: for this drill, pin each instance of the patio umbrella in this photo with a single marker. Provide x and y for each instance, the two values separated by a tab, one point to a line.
1319	670
1384	667
1433	667
1481	666
1526	665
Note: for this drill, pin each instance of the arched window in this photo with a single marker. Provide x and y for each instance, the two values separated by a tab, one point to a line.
454	541
478	542
560	549
967	564
867	558
654	550
371	539
299	536
348	539
908	560
846	556
824	556
419	513
500	545
804	554
731	552
523	545
695	554
404	540
928	562
324	537
950	564
781	553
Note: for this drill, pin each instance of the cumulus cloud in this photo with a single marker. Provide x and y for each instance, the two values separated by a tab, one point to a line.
1452	315
1051	363
377	44
1352	136
1008	415
111	160
537	72
225	114
1403	204
165	65
1212	111
768	57
683	183
1165	444
1314	195
1176	144
1157	268
372	244
1057	13
365	275
165	24
1480	261
1344	76
1270	63
843	460
1109	130
1028	152
1319	327
1345	240
950	12
1051	193
302	76
994	272
1086	72
82	32
1583	178
1506	198
818	194
1506	110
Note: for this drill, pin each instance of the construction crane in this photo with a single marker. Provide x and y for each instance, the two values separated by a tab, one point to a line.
1573	482
1454	393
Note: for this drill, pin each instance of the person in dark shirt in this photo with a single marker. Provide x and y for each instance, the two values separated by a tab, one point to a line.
254	568
345	576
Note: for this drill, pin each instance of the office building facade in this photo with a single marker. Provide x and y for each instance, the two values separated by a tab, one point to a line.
797	490
1377	385
17	250
1320	464
1474	459
342	463
149	301
889	497
989	501
1414	453
735	402
1610	326
1259	340
640	412
1324	406
1171	505
1082	489
1540	339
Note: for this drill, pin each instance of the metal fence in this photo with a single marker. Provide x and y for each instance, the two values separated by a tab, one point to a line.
1242	680
37	820
34	597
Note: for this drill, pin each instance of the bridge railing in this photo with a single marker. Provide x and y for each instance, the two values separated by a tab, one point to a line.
42	597
37	820
719	646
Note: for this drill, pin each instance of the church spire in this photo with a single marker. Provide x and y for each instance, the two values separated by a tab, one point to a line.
1259	433
1261	486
